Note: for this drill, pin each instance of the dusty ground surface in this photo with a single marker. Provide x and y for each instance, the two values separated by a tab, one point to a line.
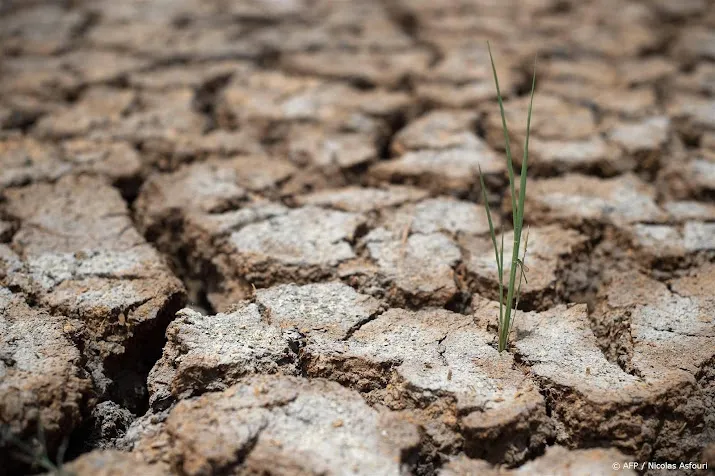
246	237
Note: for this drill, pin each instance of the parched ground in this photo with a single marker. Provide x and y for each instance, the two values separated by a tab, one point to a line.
246	237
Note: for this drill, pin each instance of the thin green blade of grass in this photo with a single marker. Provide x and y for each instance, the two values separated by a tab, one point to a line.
505	318
489	217
497	253
522	264
507	147
505	324
525	159
522	196
501	283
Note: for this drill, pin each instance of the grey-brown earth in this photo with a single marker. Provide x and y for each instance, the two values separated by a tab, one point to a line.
248	237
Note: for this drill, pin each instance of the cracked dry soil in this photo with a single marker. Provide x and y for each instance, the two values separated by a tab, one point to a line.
245	237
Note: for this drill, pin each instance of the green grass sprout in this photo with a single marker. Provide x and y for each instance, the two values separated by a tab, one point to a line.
506	315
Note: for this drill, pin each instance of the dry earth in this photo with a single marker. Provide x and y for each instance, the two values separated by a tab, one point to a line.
245	237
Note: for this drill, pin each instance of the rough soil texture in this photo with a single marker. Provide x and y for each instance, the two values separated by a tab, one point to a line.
248	237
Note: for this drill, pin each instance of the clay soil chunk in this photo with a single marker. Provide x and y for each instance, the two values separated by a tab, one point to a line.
267	244
209	353
590	394
209	186
699	81
248	237
446	215
329	152
98	66
78	254
27	160
442	153
284	425
417	363
410	255
550	249
461	77
147	34
587	155
42	29
38	78
300	242
265	97
578	199
384	69
99	108
643	140
441	363
362	199
183	76
42	382
674	245
112	463
634	103
416	271
553	118
332	310
666	334
439	129
696	43
451	170
692	179
694	115
160	117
